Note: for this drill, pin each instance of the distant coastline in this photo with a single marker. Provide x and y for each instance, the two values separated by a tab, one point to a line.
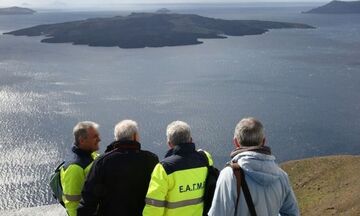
140	30
16	11
337	7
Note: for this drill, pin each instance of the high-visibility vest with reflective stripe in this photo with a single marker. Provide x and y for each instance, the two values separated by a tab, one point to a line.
178	192
72	179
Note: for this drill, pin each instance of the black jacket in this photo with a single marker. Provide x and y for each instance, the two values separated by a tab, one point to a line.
118	181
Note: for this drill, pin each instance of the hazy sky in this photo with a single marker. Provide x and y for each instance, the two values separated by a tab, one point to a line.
80	3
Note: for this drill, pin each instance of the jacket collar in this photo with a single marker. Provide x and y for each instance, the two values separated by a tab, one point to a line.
181	149
80	151
258	149
123	145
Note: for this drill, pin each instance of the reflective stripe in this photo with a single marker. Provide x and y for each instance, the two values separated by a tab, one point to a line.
72	198
184	203
154	202
172	205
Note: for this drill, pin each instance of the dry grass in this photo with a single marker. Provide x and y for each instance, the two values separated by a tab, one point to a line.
326	185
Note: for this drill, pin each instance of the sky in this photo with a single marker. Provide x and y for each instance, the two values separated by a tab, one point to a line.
77	3
35	4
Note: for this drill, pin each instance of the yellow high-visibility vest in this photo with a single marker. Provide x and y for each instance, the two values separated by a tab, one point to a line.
177	186
72	177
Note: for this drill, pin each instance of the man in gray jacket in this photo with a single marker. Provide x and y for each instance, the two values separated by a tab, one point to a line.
268	184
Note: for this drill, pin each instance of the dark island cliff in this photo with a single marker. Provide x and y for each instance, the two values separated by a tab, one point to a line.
337	7
140	30
16	11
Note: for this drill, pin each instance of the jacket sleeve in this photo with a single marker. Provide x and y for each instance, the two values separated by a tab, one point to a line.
92	190
72	182
290	206
156	196
225	194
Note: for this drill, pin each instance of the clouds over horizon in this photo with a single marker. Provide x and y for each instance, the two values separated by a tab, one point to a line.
80	3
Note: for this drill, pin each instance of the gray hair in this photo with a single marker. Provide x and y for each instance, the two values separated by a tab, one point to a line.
178	132
249	132
125	130
81	130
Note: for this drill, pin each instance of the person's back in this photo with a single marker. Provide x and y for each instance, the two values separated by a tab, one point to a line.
119	179
177	182
268	184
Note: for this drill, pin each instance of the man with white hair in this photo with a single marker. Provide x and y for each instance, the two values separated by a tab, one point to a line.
177	182
78	163
268	185
118	180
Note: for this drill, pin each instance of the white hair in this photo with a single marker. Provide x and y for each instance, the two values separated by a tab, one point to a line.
249	132
126	130
81	130
178	132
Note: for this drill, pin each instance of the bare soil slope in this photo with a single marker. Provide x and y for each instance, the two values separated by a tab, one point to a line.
326	185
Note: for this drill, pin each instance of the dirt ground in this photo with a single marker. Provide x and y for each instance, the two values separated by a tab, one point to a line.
326	185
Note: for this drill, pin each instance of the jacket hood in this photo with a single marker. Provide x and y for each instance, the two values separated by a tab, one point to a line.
261	168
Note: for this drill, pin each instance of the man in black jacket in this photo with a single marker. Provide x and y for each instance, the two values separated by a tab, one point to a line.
118	180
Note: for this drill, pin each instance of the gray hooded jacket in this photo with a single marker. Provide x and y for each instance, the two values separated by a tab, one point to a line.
268	184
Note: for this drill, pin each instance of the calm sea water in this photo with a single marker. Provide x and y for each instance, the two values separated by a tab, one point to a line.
303	85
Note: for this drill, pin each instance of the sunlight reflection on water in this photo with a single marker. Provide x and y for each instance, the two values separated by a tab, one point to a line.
293	80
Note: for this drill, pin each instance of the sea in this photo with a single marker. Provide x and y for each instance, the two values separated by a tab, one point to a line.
303	84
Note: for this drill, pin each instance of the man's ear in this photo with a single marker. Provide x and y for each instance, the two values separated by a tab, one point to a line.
236	143
263	141
136	137
81	141
170	145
